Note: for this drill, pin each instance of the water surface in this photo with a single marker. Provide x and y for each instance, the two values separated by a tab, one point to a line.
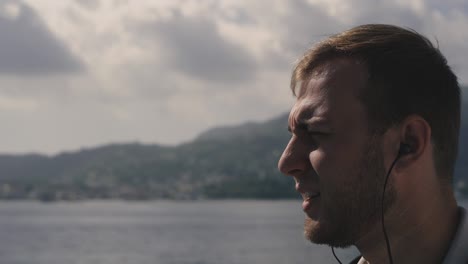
163	232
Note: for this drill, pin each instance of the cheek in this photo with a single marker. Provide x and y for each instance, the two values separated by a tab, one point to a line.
333	163
348	148
318	160
325	166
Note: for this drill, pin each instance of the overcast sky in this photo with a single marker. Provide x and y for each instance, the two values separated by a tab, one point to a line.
82	73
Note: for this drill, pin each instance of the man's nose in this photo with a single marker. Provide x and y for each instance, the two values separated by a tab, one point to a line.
294	161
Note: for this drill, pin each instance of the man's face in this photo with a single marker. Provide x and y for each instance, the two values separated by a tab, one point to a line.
335	161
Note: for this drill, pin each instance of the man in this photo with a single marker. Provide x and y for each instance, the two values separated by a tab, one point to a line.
372	102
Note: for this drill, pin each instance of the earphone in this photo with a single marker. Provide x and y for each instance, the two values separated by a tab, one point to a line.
405	149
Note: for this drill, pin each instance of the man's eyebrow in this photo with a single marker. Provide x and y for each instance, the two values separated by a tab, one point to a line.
298	126
306	124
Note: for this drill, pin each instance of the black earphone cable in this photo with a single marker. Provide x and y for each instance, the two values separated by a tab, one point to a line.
337	259
389	250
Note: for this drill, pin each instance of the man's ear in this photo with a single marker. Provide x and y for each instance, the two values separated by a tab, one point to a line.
415	137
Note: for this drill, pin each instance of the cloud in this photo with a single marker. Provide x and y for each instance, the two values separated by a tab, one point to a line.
164	71
389	13
238	15
195	47
27	47
305	24
7	104
89	4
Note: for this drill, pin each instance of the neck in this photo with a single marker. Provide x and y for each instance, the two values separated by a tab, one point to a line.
419	230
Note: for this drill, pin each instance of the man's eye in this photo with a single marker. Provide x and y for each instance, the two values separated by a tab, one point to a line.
317	133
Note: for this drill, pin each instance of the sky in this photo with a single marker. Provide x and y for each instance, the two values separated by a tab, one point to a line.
83	73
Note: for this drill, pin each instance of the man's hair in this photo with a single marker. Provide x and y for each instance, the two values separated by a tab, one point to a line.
406	75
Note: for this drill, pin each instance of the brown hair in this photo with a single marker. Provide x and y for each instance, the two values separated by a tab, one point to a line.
407	75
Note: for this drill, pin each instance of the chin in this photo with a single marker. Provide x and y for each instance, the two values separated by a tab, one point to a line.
313	231
319	233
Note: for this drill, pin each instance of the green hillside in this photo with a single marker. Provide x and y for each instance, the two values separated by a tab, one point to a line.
227	162
242	165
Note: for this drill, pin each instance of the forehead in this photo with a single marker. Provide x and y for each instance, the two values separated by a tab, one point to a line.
339	75
331	90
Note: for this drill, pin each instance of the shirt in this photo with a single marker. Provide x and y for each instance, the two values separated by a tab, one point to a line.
458	251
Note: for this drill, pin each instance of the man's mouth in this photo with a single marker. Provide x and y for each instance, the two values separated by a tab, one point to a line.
308	197
311	195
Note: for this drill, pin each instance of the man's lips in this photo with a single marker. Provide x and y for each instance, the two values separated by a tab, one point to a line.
308	196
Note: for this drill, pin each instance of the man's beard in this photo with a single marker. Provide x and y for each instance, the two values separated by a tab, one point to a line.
353	206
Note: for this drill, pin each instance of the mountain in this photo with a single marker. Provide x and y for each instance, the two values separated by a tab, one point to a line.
247	130
241	165
224	162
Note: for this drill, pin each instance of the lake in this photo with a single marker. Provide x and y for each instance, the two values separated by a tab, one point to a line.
162	232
